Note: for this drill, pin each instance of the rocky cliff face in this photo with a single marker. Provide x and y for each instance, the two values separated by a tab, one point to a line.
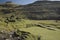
38	10
43	10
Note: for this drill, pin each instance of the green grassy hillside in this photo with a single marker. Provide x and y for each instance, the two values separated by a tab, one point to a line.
47	29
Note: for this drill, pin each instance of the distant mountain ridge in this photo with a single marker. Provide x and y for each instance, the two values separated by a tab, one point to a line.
39	10
44	9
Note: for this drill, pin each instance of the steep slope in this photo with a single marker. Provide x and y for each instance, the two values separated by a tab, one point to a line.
43	10
39	10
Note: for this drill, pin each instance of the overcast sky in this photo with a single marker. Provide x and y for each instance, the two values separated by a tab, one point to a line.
22	1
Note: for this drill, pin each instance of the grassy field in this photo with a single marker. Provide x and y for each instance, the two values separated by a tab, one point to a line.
46	29
45	33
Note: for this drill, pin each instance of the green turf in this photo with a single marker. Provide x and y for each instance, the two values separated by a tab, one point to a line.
44	33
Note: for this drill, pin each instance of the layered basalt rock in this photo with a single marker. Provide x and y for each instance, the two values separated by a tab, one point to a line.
39	10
